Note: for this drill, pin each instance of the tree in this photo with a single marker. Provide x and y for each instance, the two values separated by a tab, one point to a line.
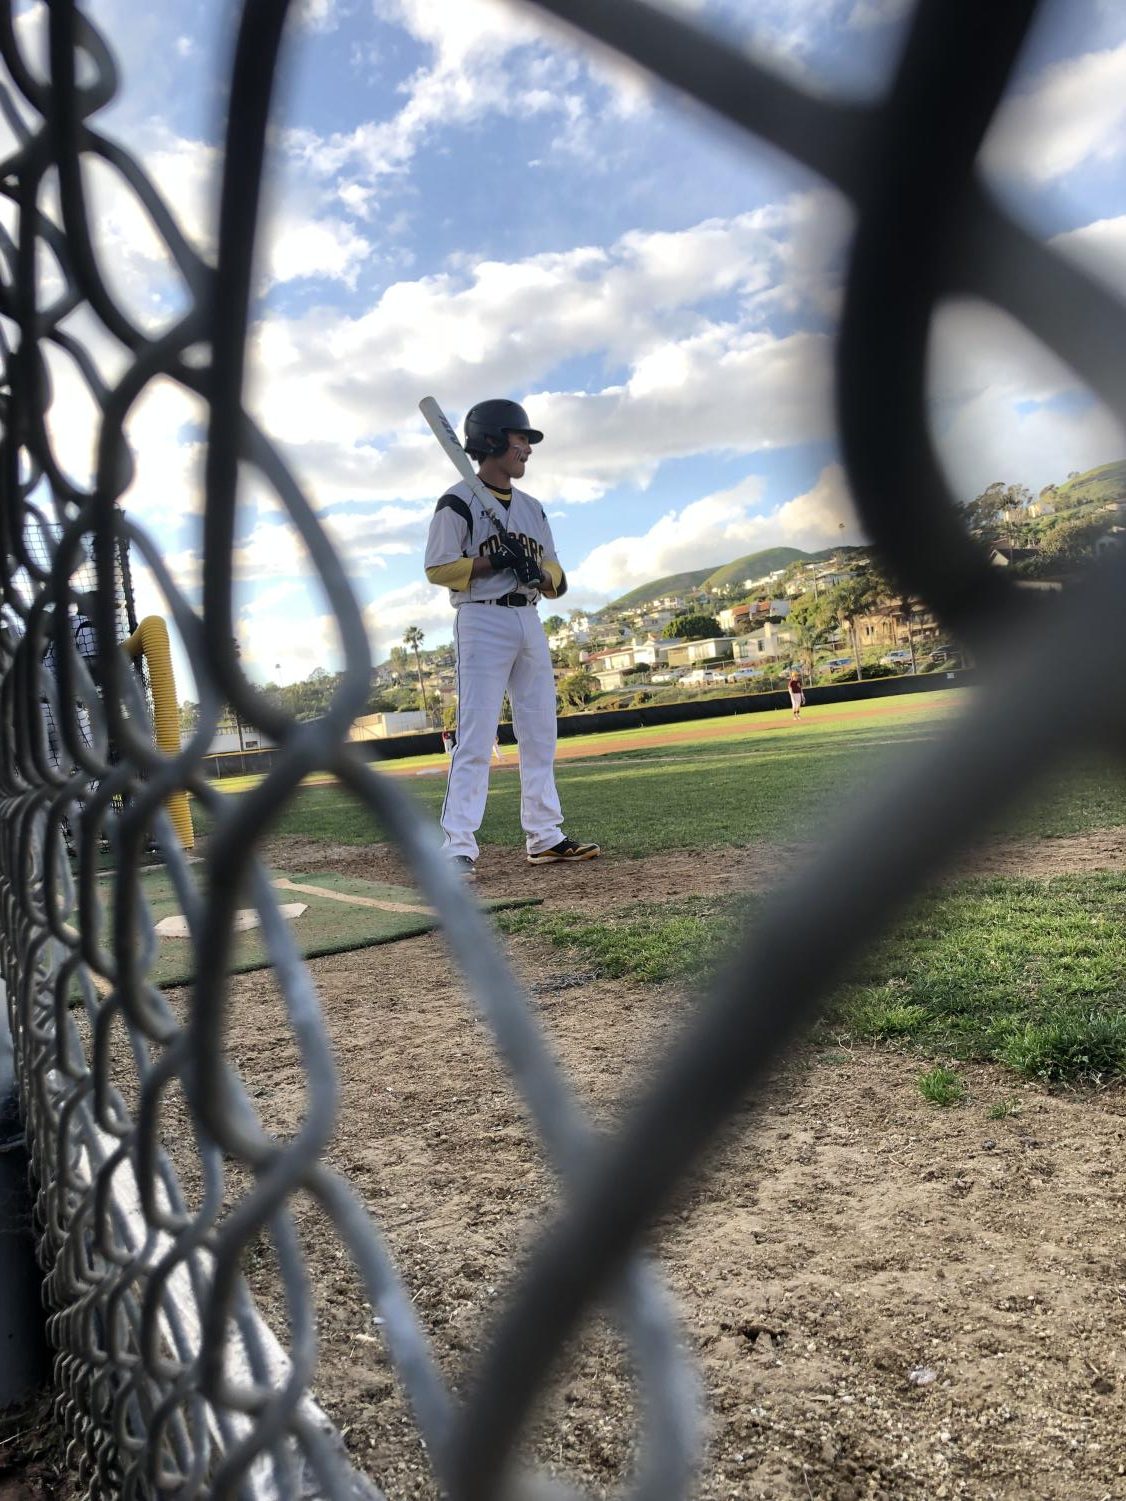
577	688
692	628
554	623
998	513
404	698
849	599
414	638
810	620
1068	542
378	702
189	719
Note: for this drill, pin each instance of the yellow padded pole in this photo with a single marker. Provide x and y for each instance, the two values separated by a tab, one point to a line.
150	640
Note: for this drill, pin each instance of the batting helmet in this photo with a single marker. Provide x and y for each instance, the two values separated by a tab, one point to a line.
488	424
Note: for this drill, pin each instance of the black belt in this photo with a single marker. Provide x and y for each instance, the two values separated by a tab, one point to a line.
514	600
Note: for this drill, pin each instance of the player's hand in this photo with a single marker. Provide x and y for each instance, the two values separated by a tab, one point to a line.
528	573
506	554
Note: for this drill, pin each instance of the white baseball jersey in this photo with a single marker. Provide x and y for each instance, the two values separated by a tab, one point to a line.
461	530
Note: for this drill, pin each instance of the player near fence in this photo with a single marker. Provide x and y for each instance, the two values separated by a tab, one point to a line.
495	581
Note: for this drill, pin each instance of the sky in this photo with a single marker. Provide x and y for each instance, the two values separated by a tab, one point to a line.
466	203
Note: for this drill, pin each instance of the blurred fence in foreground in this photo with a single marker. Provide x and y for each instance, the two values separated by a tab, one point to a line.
168	1381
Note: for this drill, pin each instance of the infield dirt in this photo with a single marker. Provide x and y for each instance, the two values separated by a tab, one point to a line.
885	1299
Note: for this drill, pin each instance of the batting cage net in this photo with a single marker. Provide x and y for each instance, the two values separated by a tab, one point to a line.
169	1382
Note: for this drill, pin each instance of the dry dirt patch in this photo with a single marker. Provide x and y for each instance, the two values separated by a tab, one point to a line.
614	881
846	1235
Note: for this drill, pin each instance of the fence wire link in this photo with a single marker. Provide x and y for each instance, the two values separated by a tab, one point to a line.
169	1382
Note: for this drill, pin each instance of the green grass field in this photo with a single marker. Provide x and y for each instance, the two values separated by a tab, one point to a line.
1027	973
777	782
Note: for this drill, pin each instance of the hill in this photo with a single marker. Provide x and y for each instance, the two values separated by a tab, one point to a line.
755	565
674	583
1108	482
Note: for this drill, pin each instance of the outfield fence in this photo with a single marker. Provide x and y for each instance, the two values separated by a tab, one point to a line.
169	1382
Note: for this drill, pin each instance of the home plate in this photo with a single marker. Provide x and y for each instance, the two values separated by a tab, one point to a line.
247	918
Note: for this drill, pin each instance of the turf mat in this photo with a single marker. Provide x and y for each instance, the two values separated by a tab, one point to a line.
342	914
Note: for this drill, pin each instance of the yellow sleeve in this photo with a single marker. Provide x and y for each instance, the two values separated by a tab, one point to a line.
553	571
453	575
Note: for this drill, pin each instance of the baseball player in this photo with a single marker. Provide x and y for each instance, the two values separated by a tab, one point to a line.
495	581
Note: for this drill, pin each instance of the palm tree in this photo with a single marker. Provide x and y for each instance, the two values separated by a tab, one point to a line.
809	621
414	639
851	598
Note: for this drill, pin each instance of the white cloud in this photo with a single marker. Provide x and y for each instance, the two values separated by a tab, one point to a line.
1099	249
417	603
270	558
342	391
317	15
717	529
1074	111
867	13
327	248
364	540
468	44
1006	408
821	517
280	641
304	235
989	440
737	392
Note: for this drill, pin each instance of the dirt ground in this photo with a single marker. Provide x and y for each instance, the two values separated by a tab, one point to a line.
884	1299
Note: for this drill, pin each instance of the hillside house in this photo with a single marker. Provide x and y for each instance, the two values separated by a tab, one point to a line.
650	620
752	612
895	625
764	644
829	578
611	665
734	617
762	585
689	653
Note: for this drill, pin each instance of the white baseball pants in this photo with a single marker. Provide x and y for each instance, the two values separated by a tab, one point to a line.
499	649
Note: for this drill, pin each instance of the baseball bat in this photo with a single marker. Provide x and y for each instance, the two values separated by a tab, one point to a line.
461	461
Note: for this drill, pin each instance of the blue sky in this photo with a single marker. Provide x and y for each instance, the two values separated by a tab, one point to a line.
467	204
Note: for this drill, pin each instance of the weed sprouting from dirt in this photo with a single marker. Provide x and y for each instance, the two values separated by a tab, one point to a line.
941	1086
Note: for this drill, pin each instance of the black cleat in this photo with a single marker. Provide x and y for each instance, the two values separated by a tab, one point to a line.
566	849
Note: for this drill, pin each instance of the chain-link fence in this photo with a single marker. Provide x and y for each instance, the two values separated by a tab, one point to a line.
169	1382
